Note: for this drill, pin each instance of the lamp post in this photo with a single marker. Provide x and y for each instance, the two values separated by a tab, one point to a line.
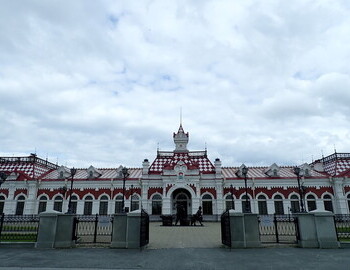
3	177
297	172
231	189
73	171
125	175
245	172
131	190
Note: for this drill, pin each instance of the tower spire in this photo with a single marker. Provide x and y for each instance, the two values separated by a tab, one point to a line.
180	116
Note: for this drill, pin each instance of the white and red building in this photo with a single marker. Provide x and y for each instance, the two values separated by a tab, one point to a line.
180	176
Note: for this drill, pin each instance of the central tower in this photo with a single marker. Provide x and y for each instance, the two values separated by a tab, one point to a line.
180	140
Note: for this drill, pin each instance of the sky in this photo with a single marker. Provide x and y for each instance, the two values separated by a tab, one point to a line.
102	83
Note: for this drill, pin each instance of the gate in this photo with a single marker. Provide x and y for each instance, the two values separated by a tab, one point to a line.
15	228
278	228
93	229
144	228
342	227
225	229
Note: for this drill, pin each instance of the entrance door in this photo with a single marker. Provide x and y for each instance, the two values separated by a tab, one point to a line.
181	197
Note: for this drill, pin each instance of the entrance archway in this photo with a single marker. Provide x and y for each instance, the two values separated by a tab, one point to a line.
181	197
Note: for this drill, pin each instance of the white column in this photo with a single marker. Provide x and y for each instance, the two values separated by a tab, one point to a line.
340	204
10	203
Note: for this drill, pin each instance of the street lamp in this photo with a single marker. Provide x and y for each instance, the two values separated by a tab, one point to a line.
131	190
125	175
245	172
297	172
73	171
3	177
231	189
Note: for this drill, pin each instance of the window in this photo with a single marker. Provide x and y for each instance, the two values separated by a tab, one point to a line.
20	205
2	203
327	201
119	204
311	202
275	172
42	204
74	204
278	200
207	204
294	204
135	202
103	205
91	174
58	203
262	205
245	204
88	205
157	205
61	175
349	201
229	202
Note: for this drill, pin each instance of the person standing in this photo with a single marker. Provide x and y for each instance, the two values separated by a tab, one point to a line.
199	216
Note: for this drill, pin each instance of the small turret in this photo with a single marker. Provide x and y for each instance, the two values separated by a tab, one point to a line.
145	166
181	140
217	165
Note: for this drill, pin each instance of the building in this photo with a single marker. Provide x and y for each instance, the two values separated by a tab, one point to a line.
175	177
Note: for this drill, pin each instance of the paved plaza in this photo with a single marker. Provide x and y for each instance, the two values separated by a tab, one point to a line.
207	236
175	248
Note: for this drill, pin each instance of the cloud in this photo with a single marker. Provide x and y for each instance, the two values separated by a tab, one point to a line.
102	82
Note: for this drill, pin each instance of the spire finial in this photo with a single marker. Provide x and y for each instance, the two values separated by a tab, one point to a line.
180	116
335	150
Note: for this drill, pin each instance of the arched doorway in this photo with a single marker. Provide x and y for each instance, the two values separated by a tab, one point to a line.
181	197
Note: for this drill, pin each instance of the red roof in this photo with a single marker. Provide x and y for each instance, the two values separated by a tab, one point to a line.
193	160
336	164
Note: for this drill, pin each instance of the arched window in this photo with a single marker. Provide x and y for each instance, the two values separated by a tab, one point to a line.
262	205
328	204
311	202
156	205
2	204
20	205
294	204
135	202
74	204
88	205
207	204
245	204
278	201
42	204
61	176
58	203
229	202
119	204
103	205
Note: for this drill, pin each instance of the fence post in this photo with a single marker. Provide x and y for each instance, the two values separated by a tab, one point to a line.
276	229
1	223
95	232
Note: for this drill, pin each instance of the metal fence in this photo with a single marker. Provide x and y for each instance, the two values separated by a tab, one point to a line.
144	228
342	227
278	228
15	228
92	229
225	229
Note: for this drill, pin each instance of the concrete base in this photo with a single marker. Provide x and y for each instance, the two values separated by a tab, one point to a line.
126	230
119	231
317	230
55	230
133	230
244	230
